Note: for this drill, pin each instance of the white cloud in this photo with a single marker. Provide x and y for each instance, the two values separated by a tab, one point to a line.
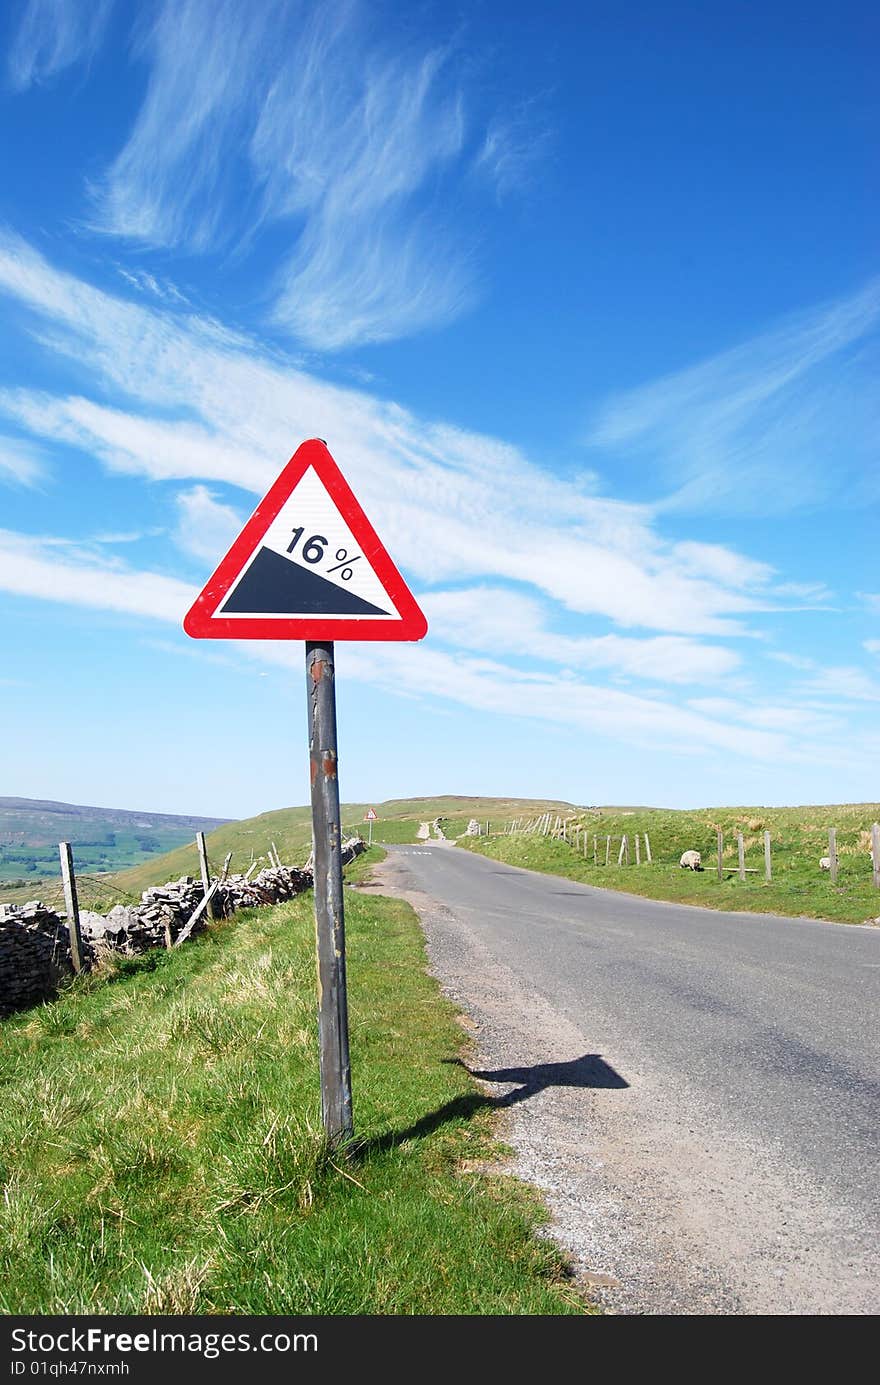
515	144
55	570
791	720
205	527
491	686
847	683
452	506
335	135
145	282
497	620
757	430
21	462
793	660
54	34
872	646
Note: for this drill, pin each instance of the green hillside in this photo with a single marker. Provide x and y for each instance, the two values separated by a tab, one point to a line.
103	839
798	839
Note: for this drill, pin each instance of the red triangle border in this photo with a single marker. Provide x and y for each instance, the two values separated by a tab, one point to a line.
201	622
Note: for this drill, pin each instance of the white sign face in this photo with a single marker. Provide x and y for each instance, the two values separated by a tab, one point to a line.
370	816
307	564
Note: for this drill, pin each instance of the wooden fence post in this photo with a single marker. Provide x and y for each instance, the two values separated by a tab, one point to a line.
595	850
875	853
720	836
624	848
205	871
768	867
648	848
71	904
607	849
741	853
832	853
638	853
196	914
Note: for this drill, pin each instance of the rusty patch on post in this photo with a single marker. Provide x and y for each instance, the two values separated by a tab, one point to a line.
313	770
329	764
317	669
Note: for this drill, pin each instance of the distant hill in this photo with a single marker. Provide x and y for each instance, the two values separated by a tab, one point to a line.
103	839
290	829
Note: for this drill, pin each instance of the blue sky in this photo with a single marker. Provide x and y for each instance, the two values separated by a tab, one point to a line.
585	300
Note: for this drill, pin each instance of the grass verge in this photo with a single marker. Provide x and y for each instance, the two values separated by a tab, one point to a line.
798	888
161	1146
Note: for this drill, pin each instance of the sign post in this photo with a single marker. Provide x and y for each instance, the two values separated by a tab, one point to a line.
336	1108
308	565
370	817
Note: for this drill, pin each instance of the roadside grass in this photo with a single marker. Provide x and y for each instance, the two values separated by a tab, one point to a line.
358	871
161	1147
799	837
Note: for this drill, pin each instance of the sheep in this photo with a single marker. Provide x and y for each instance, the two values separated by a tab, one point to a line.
824	862
691	860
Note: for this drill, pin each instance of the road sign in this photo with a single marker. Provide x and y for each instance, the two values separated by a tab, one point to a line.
308	565
370	815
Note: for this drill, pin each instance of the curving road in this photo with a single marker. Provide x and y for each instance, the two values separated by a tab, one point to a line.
697	1092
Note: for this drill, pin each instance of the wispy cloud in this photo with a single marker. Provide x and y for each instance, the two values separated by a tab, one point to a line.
844	683
21	462
514	147
454	507
205	527
339	135
757	429
498	620
54	34
145	282
57	570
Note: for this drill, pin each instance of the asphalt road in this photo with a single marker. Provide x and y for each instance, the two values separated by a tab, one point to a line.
737	1054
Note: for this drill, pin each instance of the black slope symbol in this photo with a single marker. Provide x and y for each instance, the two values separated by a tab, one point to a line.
274	585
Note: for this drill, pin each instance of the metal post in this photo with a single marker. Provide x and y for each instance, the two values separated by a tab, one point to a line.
370	840
71	904
768	868
336	1105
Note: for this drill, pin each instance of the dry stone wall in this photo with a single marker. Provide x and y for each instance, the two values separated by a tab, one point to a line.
34	954
35	945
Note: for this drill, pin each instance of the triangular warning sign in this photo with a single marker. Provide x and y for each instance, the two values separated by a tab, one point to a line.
308	565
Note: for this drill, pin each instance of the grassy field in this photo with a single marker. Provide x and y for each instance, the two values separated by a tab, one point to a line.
799	837
161	1148
291	831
